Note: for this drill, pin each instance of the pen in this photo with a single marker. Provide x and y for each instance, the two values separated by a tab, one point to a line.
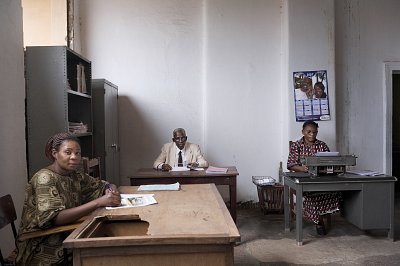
108	186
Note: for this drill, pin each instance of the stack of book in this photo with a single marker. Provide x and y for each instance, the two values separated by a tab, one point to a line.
77	128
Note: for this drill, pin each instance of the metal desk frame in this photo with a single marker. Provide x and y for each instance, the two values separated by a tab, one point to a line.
362	206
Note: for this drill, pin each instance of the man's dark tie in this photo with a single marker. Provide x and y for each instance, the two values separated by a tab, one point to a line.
180	163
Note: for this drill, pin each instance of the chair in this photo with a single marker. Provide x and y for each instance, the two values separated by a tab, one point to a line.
292	194
8	217
92	167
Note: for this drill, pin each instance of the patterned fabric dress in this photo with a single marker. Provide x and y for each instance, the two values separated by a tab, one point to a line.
314	203
46	194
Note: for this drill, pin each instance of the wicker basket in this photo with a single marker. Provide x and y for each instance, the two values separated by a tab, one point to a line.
270	195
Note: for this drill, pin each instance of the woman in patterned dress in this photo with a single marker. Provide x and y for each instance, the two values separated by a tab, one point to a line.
316	205
58	195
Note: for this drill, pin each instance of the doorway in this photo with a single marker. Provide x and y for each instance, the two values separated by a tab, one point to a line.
396	128
392	121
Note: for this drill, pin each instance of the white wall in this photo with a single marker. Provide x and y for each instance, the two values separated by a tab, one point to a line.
367	35
12	112
152	51
311	47
243	88
210	67
218	68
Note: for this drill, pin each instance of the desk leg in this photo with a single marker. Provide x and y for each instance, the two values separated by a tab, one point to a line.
299	215
232	196
391	229
286	207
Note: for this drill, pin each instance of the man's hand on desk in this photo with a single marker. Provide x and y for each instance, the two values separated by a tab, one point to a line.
193	166
166	167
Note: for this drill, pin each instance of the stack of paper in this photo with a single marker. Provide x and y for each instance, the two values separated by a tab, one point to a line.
364	172
77	128
213	170
179	169
175	186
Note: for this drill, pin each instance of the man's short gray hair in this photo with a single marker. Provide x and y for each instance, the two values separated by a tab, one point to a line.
179	129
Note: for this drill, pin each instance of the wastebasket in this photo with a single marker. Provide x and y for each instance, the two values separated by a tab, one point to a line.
270	194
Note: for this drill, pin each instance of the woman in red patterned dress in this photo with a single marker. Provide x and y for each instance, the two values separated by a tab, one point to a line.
316	205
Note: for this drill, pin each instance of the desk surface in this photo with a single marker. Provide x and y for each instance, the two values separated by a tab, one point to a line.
150	172
148	176
194	214
304	178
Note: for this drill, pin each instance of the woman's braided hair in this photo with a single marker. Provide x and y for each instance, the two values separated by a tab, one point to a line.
54	143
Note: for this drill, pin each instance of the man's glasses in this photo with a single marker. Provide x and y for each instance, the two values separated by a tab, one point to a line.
180	138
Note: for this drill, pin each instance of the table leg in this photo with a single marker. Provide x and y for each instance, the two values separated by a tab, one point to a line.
232	196
299	215
391	223
286	207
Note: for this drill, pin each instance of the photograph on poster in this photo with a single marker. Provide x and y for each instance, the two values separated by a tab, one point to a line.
311	96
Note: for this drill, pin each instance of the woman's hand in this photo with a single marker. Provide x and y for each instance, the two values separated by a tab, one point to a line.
112	198
299	168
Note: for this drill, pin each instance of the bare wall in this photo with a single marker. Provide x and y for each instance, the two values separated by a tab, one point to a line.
366	37
12	112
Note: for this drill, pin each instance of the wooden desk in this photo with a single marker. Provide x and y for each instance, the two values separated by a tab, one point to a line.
368	202
149	176
187	227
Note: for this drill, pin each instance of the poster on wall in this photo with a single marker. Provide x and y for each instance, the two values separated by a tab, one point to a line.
311	95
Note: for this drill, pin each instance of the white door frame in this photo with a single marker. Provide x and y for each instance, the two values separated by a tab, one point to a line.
390	68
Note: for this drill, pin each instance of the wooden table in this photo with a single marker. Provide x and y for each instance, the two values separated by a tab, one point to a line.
368	202
187	227
148	176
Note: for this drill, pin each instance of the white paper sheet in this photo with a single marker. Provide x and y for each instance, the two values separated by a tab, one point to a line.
176	186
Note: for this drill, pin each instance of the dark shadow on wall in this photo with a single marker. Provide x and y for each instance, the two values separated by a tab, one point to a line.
136	137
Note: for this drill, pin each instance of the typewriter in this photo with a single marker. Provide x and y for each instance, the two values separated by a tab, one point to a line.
328	165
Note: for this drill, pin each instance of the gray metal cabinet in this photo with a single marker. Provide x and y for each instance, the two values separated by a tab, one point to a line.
105	128
58	92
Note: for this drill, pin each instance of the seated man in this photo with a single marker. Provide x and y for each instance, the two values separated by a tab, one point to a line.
179	152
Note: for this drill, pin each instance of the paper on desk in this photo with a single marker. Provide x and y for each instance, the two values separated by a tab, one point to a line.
135	200
175	186
327	153
213	169
364	172
179	169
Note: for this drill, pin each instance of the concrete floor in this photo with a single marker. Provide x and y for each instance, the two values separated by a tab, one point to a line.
264	242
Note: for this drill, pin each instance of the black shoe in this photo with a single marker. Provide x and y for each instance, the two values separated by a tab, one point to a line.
321	229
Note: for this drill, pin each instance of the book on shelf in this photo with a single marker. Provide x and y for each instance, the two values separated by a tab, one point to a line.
74	127
80	78
213	169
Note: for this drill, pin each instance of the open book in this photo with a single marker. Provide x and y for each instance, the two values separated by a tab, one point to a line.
135	200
